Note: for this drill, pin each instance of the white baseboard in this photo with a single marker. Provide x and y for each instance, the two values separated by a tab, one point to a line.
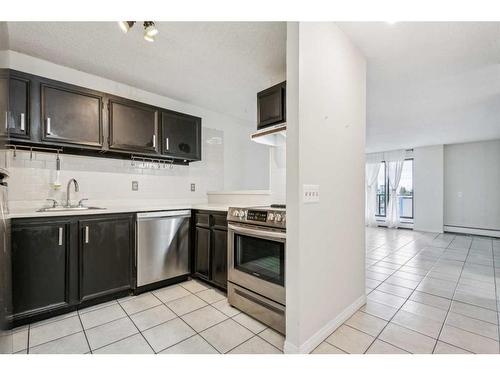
325	331
479	232
430	230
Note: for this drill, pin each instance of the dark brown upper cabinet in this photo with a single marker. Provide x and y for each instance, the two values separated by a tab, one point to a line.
133	126
71	115
271	106
19	106
4	102
38	111
181	135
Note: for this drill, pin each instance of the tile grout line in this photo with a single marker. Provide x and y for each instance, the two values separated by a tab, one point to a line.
128	316
84	332
407	299
180	317
400	266
452	298
198	333
28	341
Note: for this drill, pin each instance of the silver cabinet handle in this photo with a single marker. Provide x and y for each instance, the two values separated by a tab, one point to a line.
86	234
6	120
23	126
167	145
60	236
48	126
154	140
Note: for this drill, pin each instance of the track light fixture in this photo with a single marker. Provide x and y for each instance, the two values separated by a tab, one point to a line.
125	26
150	30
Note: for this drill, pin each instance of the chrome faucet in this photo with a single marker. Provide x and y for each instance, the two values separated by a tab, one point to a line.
77	188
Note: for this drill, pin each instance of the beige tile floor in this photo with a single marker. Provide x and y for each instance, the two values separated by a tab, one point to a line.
426	293
189	317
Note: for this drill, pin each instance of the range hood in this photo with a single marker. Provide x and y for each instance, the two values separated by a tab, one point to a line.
271	136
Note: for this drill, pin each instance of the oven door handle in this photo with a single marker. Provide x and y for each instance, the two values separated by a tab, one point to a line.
257	232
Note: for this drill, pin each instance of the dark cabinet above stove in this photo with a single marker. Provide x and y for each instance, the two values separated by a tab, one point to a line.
271	106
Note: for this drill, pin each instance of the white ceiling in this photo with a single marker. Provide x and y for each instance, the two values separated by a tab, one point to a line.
218	65
429	83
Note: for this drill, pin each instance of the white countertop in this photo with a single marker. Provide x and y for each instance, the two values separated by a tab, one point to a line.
112	209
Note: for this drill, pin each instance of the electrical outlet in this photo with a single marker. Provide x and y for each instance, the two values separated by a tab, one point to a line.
193	187
310	193
135	185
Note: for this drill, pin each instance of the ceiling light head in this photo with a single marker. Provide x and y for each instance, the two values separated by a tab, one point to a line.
150	29
125	26
148	38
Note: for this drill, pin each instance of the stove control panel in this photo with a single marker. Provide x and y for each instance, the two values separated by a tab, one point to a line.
257	216
268	217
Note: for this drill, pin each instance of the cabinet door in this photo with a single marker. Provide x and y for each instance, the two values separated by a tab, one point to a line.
202	252
19	111
71	116
106	256
219	257
181	135
133	127
4	102
40	267
271	106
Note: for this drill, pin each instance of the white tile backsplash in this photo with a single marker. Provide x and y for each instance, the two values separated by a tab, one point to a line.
32	176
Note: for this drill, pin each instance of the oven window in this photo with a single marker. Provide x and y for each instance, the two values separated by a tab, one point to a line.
260	257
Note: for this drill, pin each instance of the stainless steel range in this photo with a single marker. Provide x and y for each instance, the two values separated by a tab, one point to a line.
256	262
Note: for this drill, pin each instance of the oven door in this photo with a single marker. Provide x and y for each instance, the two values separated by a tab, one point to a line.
256	260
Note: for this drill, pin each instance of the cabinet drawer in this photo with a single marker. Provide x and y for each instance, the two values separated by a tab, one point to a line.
202	220
219	221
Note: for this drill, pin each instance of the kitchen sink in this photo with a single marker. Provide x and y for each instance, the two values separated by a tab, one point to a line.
77	208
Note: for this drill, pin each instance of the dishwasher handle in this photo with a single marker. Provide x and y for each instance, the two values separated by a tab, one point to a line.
158	214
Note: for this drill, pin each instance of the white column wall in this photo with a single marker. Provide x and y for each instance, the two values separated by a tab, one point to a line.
326	99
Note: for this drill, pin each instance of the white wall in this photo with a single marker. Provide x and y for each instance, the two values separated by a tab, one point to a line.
472	185
326	90
277	173
242	164
428	183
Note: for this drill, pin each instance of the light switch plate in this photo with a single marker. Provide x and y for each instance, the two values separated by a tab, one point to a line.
193	187
135	185
310	193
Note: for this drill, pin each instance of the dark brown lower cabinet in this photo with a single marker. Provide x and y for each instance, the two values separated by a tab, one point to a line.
59	263
210	247
202	252
41	265
106	262
219	257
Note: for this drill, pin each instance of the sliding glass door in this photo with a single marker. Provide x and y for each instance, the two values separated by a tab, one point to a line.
405	191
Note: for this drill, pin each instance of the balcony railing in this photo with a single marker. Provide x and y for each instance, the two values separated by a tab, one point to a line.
405	205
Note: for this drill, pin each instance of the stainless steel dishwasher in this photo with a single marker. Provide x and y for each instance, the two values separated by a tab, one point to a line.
162	245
